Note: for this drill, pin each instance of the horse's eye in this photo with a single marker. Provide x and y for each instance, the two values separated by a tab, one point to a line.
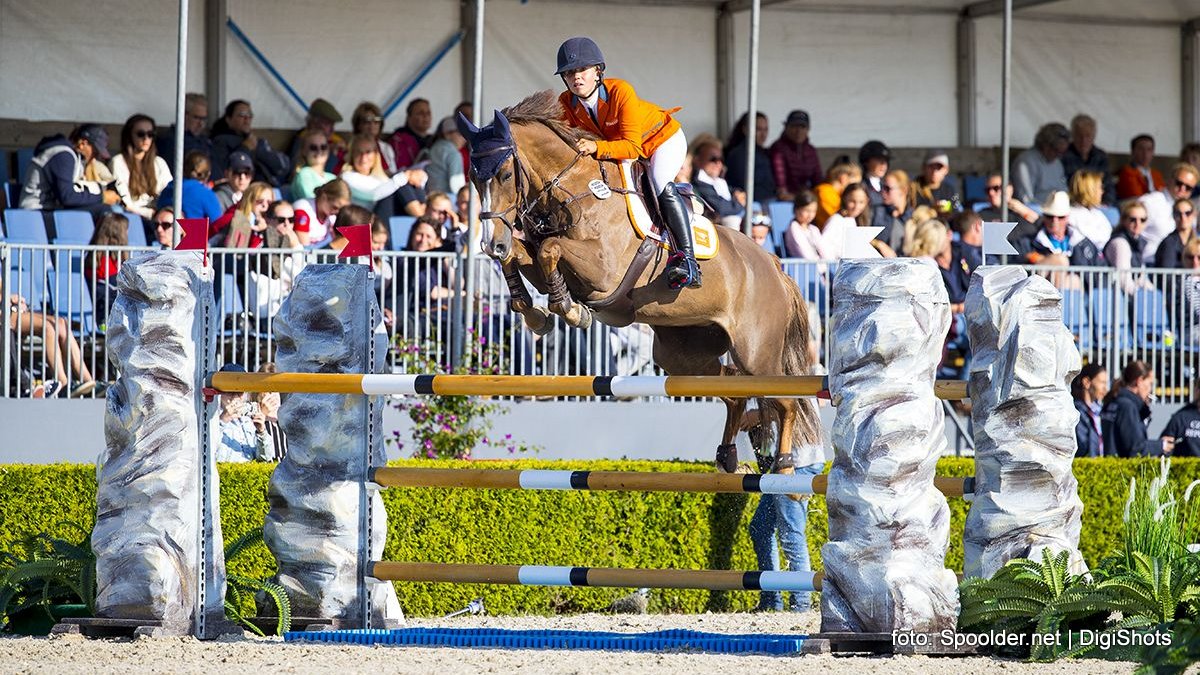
505	176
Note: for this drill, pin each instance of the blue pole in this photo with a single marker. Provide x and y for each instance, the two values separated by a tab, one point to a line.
450	44
237	32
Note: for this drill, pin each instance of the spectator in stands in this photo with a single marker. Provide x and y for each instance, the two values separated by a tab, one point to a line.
141	175
735	158
199	201
1184	428
112	229
249	223
1170	251
1190	154
931	241
829	194
1125	250
368	121
794	160
1038	171
1126	413
59	347
711	186
935	186
1025	217
463	200
239	173
236	425
853	213
445	159
1087	189
272	281
322	115
803	237
760	232
1082	154
91	142
874	157
272	441
896	188
315	217
164	225
369	184
1137	177
1159	205
468	111
55	176
1191	293
967	252
412	140
195	119
1058	244
453	231
314	157
1088	389
428	278
234	132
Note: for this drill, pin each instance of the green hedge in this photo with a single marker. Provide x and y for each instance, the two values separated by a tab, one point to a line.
603	529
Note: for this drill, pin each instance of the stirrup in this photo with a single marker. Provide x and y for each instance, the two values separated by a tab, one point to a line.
682	270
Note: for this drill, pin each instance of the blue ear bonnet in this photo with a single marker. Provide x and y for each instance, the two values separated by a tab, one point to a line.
491	146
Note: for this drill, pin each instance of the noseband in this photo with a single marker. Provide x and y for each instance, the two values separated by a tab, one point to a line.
523	205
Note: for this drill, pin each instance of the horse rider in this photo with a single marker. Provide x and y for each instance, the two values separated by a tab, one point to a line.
629	128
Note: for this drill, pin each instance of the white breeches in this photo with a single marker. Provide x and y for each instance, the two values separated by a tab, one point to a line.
667	160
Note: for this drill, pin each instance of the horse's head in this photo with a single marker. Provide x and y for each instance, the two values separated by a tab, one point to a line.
493	171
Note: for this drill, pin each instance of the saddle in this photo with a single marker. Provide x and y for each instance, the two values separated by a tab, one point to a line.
641	202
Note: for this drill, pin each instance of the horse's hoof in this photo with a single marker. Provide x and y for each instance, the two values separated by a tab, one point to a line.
539	323
585	318
727	461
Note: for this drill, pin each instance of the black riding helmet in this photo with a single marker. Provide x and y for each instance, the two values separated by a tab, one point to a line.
578	52
874	150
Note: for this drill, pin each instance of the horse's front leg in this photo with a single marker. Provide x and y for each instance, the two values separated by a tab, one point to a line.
537	319
574	313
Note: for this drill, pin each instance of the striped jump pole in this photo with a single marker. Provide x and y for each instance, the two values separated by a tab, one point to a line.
543	575
626	481
787	386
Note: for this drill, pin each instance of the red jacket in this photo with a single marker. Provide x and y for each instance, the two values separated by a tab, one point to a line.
1132	183
629	127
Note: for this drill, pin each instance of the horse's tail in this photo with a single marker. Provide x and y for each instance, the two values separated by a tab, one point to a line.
798	360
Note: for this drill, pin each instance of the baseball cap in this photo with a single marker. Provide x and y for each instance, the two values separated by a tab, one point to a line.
239	160
447	125
797	118
97	136
322	108
936	157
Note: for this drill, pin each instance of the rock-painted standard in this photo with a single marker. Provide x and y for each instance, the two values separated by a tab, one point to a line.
888	525
1024	358
147	536
327	325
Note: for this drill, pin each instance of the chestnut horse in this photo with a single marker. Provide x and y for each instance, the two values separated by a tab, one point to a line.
578	247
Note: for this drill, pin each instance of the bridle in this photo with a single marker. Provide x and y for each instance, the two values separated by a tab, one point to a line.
523	204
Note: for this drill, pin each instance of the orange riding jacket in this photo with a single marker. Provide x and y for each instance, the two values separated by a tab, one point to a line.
629	128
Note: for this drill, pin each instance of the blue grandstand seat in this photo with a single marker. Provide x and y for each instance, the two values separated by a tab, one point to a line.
137	229
1149	317
1112	213
1075	316
24	159
979	206
73	227
400	226
25	227
974	188
70	295
1110	317
781	218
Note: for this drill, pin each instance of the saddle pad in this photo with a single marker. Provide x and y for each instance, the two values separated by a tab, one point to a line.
704	233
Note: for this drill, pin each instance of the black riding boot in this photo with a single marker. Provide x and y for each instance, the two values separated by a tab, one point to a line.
682	269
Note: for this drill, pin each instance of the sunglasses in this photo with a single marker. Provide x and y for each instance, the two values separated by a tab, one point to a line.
1181	184
716	158
243	172
1050	217
1183	214
283	219
1135	219
994	188
318	148
166	225
143	134
1191	257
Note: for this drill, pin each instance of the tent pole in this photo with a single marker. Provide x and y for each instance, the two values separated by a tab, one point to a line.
1005	105
752	116
472	209
180	93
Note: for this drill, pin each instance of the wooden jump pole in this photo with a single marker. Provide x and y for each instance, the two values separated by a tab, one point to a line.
626	481
542	575
783	386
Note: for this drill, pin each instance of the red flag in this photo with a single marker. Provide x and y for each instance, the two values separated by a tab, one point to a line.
358	241
195	234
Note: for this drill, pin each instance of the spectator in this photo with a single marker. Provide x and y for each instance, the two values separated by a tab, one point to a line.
59	347
141	175
936	187
1088	389
239	173
1058	244
428	279
897	210
271	439
195	118
1038	171
853	213
272	281
829	194
967	252
1190	154
112	229
1025	217
803	237
735	158
445	161
1183	429
1191	293
440	209
760	232
1082	154
199	201
164	226
463	201
711	186
315	217
88	140
249	223
468	111
1126	413
234	132
237	425
1087	189
412	140
322	115
1159	204
794	160
368	121
54	179
314	157
368	183
1137	177
874	157
1170	252
1125	250
927	239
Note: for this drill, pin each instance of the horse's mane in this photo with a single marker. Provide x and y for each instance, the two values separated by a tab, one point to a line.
544	108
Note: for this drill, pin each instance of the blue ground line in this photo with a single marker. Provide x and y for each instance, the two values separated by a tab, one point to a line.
675	639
